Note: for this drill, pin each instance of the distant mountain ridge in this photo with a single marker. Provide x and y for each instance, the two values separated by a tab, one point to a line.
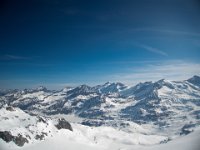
164	103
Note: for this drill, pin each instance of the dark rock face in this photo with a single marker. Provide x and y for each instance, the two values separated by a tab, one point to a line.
8	137
9	108
63	124
20	140
186	129
92	123
41	137
40	119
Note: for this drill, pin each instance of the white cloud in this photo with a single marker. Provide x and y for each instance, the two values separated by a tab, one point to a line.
171	70
154	50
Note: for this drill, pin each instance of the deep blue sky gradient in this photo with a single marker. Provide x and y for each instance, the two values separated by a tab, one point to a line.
71	42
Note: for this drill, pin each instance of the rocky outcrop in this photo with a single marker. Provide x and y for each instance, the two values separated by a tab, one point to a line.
187	128
8	137
63	124
41	119
9	108
19	140
41	137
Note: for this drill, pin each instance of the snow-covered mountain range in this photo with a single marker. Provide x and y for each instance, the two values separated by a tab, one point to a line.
163	109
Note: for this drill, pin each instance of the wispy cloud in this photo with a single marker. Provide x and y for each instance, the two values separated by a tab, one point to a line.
132	62
171	70
27	64
153	50
167	31
14	57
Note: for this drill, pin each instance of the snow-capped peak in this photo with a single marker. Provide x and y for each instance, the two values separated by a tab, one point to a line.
109	87
160	83
195	80
41	88
66	89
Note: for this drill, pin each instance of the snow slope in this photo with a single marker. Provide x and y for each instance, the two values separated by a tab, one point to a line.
20	128
18	122
73	141
111	115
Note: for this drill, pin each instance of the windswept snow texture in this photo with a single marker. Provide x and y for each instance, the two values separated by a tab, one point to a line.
108	116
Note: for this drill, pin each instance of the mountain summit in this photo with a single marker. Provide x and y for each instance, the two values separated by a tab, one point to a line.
195	80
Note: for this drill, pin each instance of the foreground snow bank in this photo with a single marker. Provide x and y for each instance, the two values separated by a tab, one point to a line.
135	137
189	142
106	138
18	128
85	137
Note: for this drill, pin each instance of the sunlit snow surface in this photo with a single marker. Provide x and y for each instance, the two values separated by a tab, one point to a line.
151	115
97	138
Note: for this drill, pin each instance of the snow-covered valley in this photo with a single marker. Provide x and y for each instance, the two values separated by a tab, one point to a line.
151	115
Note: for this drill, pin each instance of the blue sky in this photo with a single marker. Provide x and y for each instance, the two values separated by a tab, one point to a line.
60	43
